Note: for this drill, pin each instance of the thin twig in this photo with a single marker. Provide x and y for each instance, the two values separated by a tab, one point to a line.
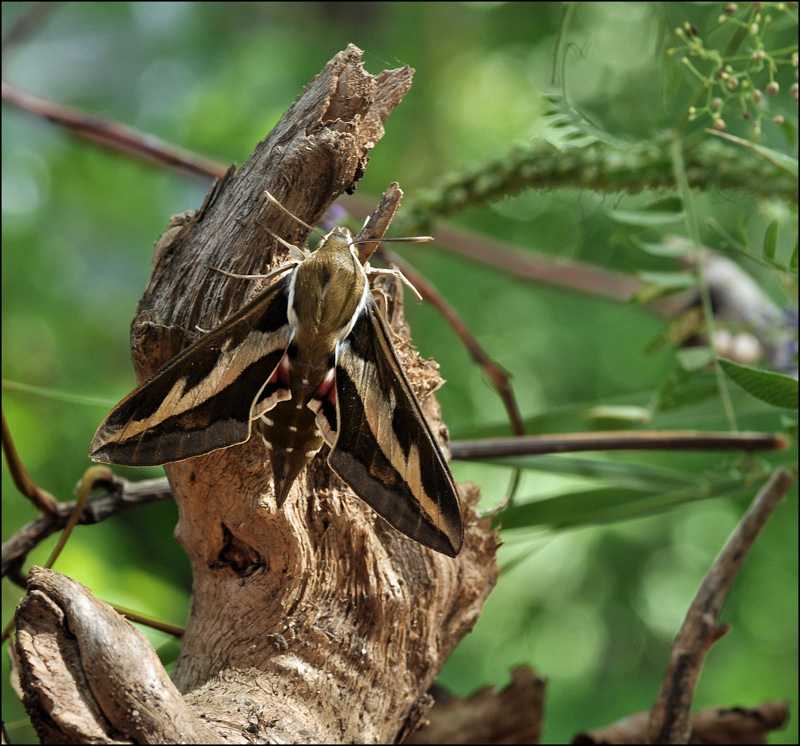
135	616
693	229
93	474
734	725
555	272
378	221
498	376
120	495
27	25
113	135
525	264
670	716
42	500
617	440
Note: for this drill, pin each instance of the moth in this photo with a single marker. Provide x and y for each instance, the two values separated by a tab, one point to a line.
311	359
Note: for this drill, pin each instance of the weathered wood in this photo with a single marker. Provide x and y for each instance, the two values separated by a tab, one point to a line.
89	676
317	622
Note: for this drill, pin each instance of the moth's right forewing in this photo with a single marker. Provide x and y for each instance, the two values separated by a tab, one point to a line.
203	399
383	446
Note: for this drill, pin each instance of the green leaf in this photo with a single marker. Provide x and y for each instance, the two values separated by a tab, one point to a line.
615	504
618	413
59	395
683	389
741	225
679	280
665	204
771	240
671	247
693	359
634	476
648	293
776	157
644	219
789	423
772	388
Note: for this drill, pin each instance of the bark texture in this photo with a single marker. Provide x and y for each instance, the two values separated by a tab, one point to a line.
318	622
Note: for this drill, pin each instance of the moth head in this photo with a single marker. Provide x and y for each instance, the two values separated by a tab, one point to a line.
339	241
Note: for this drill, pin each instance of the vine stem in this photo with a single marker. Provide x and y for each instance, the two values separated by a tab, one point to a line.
693	229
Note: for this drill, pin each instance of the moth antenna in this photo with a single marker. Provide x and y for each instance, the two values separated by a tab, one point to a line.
410	239
295	251
407	239
364	254
394	273
290	214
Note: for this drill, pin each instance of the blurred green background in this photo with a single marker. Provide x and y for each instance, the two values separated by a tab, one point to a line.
593	608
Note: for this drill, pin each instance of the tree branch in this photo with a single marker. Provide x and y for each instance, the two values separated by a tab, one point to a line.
670	716
119	495
90	676
318	621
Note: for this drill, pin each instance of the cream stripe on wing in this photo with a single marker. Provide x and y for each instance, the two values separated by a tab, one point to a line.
379	419
228	368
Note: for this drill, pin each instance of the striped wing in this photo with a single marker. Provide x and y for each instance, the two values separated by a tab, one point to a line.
206	396
382	445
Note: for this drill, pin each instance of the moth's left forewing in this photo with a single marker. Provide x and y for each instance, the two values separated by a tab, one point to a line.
384	448
206	396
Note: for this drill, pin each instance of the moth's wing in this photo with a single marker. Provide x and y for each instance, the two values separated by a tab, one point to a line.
205	397
382	444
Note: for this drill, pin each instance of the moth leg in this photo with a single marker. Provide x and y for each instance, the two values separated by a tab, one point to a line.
394	272
381	299
295	252
274	273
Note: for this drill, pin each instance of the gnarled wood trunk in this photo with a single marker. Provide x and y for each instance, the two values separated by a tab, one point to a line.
314	623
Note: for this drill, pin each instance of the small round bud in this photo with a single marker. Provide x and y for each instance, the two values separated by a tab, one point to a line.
772	88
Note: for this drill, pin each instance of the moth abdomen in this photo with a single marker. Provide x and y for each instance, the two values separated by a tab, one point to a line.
292	440
289	429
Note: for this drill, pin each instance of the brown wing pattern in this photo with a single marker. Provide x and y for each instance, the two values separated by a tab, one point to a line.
384	447
202	399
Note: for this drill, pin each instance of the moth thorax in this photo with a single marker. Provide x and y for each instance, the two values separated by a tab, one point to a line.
328	292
